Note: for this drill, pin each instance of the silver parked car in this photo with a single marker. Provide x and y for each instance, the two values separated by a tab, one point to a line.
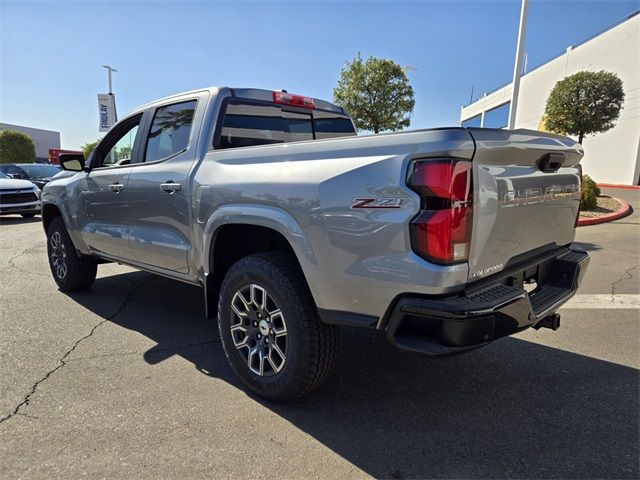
18	196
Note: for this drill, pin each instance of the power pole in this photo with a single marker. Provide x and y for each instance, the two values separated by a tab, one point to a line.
109	70
517	68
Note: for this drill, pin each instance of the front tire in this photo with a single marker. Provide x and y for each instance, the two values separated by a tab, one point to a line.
69	271
270	329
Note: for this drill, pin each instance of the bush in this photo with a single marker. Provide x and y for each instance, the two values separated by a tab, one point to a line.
89	147
590	193
16	147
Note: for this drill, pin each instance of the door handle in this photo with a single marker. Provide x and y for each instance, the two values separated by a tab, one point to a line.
116	187
170	187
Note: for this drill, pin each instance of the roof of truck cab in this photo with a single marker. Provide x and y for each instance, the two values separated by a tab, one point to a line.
212	90
258	94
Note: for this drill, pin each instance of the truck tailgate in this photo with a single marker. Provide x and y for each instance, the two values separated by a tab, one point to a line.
526	196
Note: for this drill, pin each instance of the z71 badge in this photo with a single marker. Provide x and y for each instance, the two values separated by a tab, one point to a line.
384	202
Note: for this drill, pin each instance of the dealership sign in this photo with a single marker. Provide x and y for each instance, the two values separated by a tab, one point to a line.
106	111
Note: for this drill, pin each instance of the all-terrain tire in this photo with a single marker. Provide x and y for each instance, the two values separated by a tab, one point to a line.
310	344
70	271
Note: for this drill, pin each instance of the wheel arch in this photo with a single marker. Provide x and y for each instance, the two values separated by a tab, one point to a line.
54	209
239	232
49	212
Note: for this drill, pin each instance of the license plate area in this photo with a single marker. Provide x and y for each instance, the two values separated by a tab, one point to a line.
530	279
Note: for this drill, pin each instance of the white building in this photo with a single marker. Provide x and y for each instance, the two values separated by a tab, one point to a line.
42	139
610	157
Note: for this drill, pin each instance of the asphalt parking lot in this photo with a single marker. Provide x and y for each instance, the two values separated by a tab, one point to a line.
128	380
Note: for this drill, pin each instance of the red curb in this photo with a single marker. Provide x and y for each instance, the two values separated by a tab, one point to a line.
622	187
623	211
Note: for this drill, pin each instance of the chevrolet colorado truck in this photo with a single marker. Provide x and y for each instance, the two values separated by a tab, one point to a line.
445	239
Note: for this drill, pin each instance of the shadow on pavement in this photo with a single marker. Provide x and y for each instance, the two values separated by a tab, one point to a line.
587	246
17	220
513	410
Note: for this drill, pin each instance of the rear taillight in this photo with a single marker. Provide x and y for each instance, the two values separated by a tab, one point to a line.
441	232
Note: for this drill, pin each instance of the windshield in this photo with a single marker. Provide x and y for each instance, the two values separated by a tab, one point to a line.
39	170
3	175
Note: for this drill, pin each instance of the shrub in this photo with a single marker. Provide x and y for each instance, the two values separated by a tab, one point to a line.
89	147
16	147
590	193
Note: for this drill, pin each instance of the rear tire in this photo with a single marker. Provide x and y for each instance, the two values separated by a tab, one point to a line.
69	271
28	215
270	329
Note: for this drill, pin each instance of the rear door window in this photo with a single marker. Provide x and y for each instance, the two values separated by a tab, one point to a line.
170	130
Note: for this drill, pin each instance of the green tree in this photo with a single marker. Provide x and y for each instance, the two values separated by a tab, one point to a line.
584	103
16	147
376	93
89	147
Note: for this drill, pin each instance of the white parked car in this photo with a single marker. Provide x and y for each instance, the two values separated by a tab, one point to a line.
18	196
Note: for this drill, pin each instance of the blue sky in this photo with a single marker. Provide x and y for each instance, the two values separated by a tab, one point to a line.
50	53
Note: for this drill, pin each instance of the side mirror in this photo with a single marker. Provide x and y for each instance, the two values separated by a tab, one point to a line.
73	162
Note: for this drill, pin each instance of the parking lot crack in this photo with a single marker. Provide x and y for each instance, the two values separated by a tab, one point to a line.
13	265
63	360
627	275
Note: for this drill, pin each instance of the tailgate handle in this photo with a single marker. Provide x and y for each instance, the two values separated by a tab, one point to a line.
551	162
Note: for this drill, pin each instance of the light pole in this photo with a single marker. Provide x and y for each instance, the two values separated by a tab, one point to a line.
517	68
109	70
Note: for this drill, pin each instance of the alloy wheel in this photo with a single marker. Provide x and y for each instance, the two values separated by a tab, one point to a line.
259	330
58	255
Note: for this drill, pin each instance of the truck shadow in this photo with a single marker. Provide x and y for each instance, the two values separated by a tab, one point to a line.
513	410
587	246
18	220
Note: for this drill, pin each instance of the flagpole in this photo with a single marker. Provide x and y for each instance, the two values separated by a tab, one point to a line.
517	68
109	70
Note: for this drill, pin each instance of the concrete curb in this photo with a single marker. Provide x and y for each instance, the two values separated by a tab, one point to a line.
623	211
621	187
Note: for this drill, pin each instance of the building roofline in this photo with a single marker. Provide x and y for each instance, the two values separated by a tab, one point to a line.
611	26
3	124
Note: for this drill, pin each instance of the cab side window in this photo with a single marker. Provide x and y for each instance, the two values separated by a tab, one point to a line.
170	130
117	148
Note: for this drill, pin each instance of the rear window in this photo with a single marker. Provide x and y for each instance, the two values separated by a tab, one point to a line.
331	125
249	124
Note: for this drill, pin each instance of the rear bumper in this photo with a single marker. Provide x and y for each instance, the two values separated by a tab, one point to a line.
449	325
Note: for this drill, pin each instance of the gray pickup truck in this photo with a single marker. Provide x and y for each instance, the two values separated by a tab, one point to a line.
444	239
